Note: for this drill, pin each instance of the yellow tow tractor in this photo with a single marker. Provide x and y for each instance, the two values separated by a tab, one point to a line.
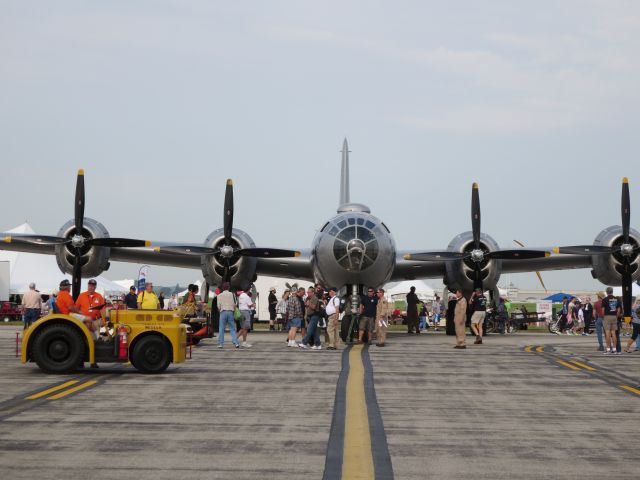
149	339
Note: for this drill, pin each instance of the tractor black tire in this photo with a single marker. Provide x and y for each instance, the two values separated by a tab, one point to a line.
58	348
151	354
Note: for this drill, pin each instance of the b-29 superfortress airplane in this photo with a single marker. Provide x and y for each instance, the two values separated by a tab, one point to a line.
351	250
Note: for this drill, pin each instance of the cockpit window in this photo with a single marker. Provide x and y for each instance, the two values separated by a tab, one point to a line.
342	223
369	224
333	231
355	248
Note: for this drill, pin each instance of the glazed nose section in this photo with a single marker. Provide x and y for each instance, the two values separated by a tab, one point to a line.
356	250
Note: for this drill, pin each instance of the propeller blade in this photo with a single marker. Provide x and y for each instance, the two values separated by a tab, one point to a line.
267	252
517	254
584	250
626	209
79	206
119	242
225	276
435	256
627	283
475	215
228	211
537	273
541	282
34	239
477	282
76	276
187	249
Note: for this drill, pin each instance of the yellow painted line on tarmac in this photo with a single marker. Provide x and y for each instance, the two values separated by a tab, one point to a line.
51	390
630	389
586	367
357	460
73	390
528	348
568	365
540	349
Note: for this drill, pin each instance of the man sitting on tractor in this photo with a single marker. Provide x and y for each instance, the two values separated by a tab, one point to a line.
86	303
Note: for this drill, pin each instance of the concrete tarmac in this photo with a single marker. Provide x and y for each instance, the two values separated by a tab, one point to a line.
519	406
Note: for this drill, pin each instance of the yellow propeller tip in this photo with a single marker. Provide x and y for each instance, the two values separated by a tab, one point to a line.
407	256
229	182
555	250
547	254
475	186
81	172
7	239
297	254
147	243
157	249
625	180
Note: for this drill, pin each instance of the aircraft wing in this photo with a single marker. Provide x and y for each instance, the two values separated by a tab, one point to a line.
411	269
291	267
295	267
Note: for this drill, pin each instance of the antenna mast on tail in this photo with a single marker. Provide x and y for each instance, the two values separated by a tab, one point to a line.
344	174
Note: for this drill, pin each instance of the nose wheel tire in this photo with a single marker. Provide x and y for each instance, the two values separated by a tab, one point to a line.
152	354
58	348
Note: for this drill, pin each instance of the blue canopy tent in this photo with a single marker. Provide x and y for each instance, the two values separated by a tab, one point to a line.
557	297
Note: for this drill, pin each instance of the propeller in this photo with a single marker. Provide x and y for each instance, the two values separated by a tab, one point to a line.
537	273
626	251
77	241
228	250
477	255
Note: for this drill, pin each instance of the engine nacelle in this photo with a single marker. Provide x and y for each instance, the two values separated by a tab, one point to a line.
95	260
460	274
606	268
243	269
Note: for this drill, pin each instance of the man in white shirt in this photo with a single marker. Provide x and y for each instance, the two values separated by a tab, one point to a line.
245	304
333	314
226	305
31	305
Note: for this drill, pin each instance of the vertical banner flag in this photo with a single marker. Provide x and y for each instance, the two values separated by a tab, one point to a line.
142	277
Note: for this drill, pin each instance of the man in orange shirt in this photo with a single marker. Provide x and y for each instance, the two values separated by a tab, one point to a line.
64	302
86	300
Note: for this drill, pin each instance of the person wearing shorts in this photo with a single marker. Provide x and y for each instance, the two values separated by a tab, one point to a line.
479	303
368	307
245	304
612	310
294	314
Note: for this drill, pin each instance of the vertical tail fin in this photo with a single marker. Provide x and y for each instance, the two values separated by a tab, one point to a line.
344	174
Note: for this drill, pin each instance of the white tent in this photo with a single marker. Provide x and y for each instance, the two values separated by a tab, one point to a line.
263	283
200	292
635	290
402	288
43	270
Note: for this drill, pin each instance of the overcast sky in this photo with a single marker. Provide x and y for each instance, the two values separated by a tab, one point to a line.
161	101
